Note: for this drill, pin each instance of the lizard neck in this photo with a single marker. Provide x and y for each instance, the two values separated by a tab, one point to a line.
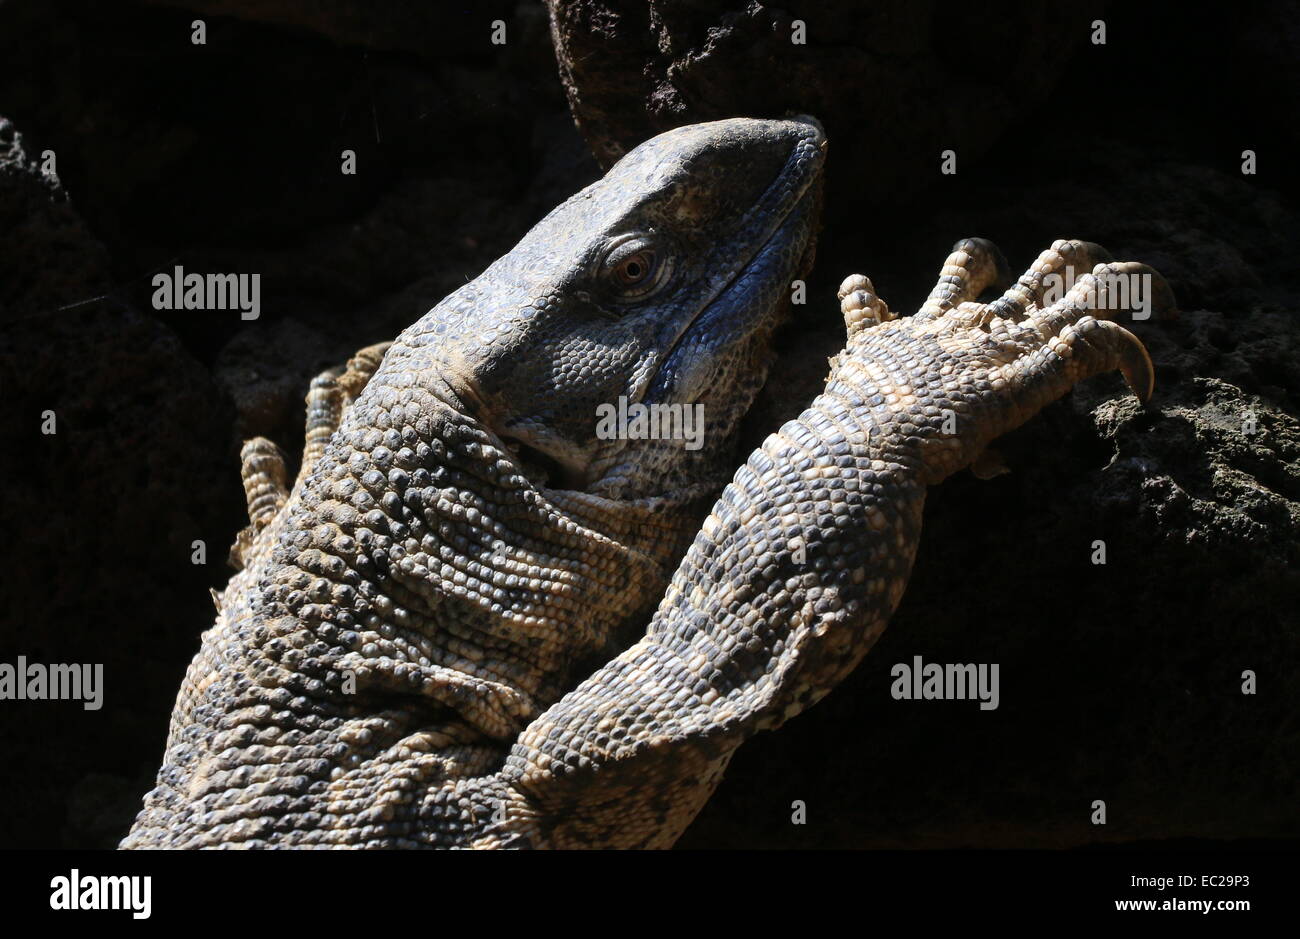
432	567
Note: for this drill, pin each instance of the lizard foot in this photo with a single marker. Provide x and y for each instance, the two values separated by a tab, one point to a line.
996	364
263	467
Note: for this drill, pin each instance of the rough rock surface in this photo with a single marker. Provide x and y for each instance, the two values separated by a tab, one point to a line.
881	77
37	223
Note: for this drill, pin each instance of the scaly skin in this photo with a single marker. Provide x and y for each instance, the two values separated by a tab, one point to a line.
790	580
465	547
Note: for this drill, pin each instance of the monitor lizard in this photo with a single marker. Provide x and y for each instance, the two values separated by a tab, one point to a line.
473	621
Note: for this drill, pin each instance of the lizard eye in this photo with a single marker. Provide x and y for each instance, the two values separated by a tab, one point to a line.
632	270
635	267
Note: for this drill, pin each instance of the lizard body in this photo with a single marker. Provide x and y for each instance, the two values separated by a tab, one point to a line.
468	550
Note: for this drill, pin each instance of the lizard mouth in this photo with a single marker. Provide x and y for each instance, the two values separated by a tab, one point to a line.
743	298
779	210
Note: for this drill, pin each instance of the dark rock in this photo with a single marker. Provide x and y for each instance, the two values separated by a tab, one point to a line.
406	25
101	518
36	223
266	369
895	83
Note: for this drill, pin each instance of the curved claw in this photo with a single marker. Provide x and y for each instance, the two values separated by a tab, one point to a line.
1111	288
1154	291
1134	362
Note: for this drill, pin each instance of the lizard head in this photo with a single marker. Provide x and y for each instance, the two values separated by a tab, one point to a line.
617	347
